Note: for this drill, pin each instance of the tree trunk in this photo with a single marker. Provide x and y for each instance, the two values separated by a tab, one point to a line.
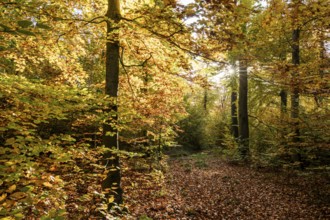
205	99
296	156
243	111
111	185
323	51
284	112
234	119
284	102
295	84
284	92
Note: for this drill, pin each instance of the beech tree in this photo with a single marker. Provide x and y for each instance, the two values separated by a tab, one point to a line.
91	92
234	116
243	118
111	185
295	73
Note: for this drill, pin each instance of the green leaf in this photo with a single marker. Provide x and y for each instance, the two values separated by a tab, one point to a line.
19	215
43	26
61	212
27	188
5	28
2	48
68	138
25	32
24	23
10	141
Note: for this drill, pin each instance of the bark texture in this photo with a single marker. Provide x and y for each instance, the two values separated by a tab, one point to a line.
112	184
243	111
284	101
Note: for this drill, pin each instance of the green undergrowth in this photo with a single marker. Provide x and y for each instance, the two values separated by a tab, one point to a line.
46	134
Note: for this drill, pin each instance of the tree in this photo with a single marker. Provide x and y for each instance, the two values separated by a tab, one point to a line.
112	183
234	119
229	34
243	118
295	74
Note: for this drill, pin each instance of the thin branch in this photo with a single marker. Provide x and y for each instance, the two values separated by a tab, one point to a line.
93	20
267	125
169	40
134	65
127	75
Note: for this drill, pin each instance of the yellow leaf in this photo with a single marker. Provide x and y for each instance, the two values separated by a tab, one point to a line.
7	218
19	215
3	197
111	199
48	185
11	189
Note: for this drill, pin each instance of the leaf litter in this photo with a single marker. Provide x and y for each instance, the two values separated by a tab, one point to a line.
212	188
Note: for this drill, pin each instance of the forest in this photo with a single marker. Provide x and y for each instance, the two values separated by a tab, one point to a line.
164	109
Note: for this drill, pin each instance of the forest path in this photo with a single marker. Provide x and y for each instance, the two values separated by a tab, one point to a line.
202	186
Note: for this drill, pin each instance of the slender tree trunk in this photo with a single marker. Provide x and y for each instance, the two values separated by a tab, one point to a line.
284	112
318	99
111	185
243	111
284	92
205	100
206	88
295	84
284	102
234	119
323	52
296	156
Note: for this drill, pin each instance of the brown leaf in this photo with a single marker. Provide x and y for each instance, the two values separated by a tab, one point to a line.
17	195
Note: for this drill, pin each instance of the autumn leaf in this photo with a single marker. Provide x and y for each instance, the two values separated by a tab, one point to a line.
10	141
8	218
52	168
11	189
17	196
111	199
48	185
3	197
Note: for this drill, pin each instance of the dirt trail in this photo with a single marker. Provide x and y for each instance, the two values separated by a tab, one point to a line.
204	187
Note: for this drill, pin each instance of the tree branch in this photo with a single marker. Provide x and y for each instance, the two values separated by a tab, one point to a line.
133	65
169	39
127	75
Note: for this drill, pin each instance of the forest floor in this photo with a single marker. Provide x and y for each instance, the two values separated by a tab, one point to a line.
204	186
